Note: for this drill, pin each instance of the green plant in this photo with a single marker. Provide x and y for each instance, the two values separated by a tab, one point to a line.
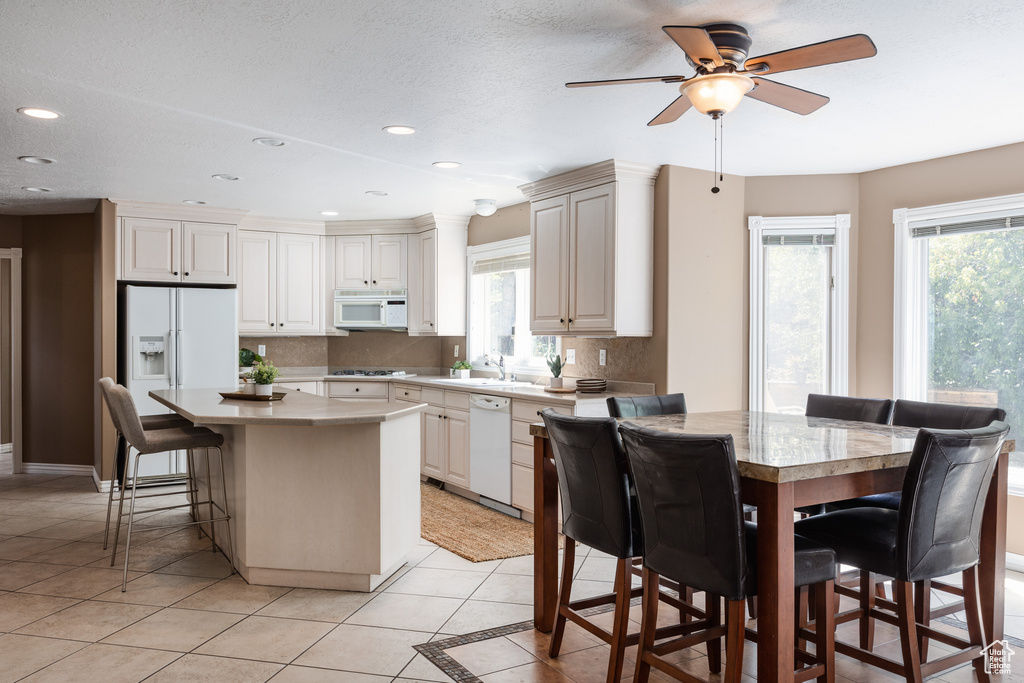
247	358
555	364
462	365
263	372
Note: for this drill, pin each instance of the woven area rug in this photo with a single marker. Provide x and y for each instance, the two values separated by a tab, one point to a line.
471	530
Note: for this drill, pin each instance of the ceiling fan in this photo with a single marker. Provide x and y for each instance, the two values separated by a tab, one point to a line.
718	52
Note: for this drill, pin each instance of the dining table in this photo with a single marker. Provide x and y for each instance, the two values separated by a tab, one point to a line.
784	462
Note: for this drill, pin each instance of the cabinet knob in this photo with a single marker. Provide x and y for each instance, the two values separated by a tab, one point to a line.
407	393
271	324
430	324
570	321
374	282
561	320
282	324
538	412
186	273
357	388
175	272
365	282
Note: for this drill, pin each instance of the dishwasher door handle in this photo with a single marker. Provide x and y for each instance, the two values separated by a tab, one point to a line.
489	402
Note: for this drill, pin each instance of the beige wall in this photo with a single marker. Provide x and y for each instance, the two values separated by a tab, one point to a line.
59	385
506	223
10	231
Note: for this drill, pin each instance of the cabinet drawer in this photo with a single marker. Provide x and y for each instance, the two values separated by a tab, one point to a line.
521	432
456	399
434	397
525	410
522	455
406	392
358	390
522	488
308	387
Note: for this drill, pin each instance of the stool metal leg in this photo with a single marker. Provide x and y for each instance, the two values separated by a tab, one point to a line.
193	491
131	519
209	502
227	522
120	504
115	476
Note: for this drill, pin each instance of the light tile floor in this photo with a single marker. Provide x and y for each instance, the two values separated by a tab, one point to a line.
185	617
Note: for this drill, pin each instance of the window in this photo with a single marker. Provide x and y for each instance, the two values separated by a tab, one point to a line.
798	310
959	328
499	308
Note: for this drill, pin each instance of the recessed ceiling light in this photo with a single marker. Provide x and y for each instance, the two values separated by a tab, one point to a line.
399	130
269	142
328	213
192	201
225	176
38	113
377	193
37	189
35	160
446	164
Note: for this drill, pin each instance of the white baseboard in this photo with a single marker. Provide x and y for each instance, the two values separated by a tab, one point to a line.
55	468
7	448
1015	562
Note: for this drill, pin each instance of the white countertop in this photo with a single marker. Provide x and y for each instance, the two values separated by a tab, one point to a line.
297	409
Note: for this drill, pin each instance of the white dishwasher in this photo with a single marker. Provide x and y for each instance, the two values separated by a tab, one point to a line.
490	448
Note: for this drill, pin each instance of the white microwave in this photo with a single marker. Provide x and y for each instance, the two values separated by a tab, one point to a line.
371	309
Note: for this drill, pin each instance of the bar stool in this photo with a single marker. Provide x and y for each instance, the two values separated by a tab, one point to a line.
688	489
935	532
149	422
598	510
644	406
156	441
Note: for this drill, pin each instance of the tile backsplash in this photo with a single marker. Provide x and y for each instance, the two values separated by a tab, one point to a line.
368	350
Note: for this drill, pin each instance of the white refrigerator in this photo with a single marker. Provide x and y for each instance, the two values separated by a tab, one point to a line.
176	338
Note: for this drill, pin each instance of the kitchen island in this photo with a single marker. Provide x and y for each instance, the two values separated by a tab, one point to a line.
322	493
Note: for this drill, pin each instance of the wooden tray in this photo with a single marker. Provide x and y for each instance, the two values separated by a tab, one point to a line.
560	390
242	396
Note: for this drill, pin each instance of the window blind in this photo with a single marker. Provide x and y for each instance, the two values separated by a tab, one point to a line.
986	225
500	264
798	240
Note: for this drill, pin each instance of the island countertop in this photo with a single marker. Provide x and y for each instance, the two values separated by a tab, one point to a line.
297	409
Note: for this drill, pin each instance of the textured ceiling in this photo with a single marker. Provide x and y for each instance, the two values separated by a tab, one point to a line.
157	96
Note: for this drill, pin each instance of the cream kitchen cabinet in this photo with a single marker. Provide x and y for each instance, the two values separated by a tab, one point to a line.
437	281
445	428
358	391
592	251
159	250
307	386
371	262
279	283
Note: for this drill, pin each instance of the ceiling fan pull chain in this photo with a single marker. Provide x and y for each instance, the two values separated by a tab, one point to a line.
718	125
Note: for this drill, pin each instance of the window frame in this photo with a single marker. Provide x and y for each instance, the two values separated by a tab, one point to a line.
910	291
837	225
515	245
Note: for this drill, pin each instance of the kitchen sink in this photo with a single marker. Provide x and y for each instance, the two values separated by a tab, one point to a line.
482	382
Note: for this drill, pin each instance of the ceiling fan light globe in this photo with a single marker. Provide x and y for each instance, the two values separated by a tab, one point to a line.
719	93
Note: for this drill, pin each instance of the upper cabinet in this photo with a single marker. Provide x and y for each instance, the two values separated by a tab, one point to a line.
161	243
279	283
437	276
592	251
371	262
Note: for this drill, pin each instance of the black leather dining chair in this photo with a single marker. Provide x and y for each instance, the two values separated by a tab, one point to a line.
644	406
598	510
688	489
935	532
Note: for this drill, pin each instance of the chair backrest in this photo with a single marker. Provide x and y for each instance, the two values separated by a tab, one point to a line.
127	420
874	410
944	415
593	478
105	384
641	406
688	489
943	499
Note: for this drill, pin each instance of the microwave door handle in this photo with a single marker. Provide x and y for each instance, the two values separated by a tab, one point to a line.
383	314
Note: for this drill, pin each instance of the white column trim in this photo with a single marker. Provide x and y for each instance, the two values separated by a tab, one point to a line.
755	224
17	418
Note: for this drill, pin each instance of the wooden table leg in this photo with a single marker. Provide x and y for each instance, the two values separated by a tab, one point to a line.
992	569
775	617
545	535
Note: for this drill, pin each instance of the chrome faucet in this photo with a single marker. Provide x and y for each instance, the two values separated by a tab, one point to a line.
501	368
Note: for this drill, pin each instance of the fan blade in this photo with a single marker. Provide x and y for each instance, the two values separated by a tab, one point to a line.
672	111
696	43
787	97
625	81
830	52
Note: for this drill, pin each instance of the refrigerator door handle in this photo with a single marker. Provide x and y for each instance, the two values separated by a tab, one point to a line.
181	368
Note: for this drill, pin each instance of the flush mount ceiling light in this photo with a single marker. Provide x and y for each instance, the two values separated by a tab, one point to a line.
328	213
37	113
486	207
196	202
377	193
37	189
399	130
717	94
35	160
269	142
446	164
225	176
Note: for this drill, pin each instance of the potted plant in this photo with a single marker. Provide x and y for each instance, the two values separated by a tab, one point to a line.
555	364
461	369
263	374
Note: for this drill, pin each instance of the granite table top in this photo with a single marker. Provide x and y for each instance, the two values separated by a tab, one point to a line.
784	448
297	409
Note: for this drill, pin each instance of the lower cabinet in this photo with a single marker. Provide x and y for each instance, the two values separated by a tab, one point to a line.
456	424
358	391
525	413
307	386
445	429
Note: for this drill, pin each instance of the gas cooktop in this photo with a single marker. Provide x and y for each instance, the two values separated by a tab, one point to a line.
371	373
